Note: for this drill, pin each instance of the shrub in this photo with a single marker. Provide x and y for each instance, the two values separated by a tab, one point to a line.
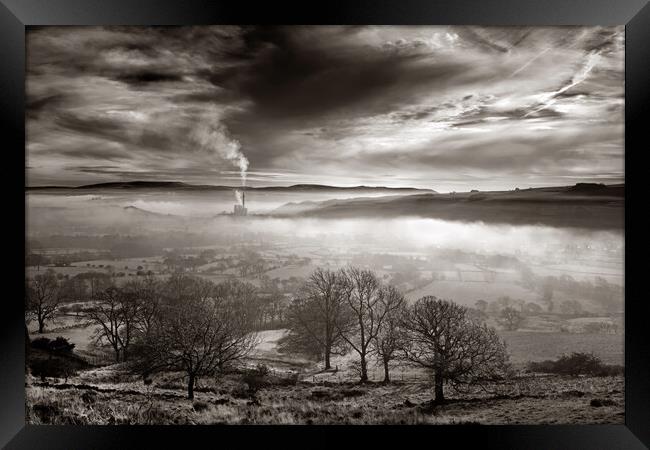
76	308
255	378
61	344
577	363
290	380
610	370
199	406
41	343
46	413
89	397
58	345
55	368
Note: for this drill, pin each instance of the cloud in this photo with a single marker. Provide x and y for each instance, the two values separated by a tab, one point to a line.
429	106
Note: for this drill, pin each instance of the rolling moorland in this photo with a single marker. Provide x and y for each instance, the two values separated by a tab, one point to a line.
579	206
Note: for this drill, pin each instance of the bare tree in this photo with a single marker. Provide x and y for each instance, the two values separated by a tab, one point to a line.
368	304
202	332
43	296
547	294
115	314
147	294
510	319
243	297
441	338
390	337
74	289
98	282
313	315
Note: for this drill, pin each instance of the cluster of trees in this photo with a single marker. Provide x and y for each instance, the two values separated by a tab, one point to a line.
176	262
278	285
182	323
46	291
197	327
576	363
608	296
509	313
186	323
252	264
38	259
351	309
127	246
601	327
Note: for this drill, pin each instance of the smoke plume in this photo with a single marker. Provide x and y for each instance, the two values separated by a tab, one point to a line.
238	195
213	137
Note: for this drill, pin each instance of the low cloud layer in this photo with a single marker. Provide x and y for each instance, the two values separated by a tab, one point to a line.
449	108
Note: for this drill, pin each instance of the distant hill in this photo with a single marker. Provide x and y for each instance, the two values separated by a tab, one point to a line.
320	187
597	189
134	210
177	185
584	205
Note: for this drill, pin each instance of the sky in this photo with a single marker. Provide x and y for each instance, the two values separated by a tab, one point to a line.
448	108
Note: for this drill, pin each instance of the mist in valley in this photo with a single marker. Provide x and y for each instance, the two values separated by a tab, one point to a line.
453	256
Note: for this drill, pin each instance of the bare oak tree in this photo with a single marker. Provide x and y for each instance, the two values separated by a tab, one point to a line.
441	338
147	293
43	296
203	331
510	319
390	337
368	304
313	317
115	314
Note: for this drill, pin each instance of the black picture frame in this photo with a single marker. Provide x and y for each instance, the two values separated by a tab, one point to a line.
15	15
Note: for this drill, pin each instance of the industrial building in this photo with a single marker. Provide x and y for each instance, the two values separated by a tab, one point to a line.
240	210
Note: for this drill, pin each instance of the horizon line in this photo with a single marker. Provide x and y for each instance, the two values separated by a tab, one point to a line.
306	184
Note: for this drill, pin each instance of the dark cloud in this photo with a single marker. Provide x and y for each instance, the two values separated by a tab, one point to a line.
306	103
37	104
97	126
145	77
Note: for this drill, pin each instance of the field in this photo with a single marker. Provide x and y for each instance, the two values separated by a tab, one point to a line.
527	346
466	292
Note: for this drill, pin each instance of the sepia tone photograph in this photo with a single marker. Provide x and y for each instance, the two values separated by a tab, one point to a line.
395	225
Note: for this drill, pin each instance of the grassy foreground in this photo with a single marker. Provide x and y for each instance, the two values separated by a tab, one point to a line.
104	396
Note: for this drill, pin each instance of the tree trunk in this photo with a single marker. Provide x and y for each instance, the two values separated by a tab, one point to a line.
190	388
386	376
439	394
117	354
27	346
364	369
41	325
327	358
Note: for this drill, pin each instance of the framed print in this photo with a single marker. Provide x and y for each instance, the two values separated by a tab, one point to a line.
260	222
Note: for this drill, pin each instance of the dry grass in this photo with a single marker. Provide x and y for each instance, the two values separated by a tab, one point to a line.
529	346
524	400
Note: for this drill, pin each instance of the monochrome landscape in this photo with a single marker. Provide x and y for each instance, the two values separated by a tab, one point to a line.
324	225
